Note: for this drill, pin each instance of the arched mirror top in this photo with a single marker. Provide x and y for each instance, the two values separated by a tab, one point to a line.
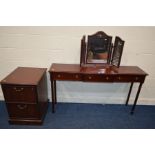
98	49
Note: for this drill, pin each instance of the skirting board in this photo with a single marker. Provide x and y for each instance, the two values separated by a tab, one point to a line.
104	100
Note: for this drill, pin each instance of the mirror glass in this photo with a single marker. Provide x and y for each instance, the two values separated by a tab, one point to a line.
117	52
98	48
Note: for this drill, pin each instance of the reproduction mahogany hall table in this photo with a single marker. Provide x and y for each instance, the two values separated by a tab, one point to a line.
110	74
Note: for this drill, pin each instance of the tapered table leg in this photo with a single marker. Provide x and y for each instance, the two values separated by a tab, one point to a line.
53	88
55	92
129	94
134	105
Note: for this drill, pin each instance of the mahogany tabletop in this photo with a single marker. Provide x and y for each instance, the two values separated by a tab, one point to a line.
75	68
24	76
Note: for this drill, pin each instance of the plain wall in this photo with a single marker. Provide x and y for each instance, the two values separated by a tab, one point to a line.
42	46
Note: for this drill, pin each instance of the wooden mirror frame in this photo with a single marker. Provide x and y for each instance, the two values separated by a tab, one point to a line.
83	51
86	46
117	52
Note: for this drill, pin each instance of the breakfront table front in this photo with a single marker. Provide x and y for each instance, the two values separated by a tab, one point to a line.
110	74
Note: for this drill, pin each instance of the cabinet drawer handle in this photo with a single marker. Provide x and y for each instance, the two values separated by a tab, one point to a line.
76	76
21	107
18	89
59	76
107	78
119	78
89	77
136	78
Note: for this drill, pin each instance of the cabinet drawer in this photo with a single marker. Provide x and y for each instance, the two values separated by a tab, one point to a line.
66	76
128	78
16	110
15	93
98	78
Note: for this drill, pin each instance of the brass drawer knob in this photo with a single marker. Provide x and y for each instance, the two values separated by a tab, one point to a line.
76	76
107	78
89	77
18	89
119	78
136	78
59	76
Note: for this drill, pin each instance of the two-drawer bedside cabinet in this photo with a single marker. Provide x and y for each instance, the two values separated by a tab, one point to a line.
25	94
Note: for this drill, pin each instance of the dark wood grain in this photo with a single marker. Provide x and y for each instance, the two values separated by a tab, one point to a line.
76	69
24	76
95	73
25	93
19	93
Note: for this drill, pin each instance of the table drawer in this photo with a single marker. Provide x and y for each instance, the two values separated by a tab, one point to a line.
17	110
128	78
66	76
98	78
16	93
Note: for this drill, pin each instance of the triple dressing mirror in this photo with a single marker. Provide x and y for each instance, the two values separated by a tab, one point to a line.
99	50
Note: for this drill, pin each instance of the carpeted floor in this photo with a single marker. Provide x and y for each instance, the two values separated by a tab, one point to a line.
90	116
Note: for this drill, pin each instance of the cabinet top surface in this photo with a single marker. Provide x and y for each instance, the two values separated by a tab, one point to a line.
112	70
24	76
